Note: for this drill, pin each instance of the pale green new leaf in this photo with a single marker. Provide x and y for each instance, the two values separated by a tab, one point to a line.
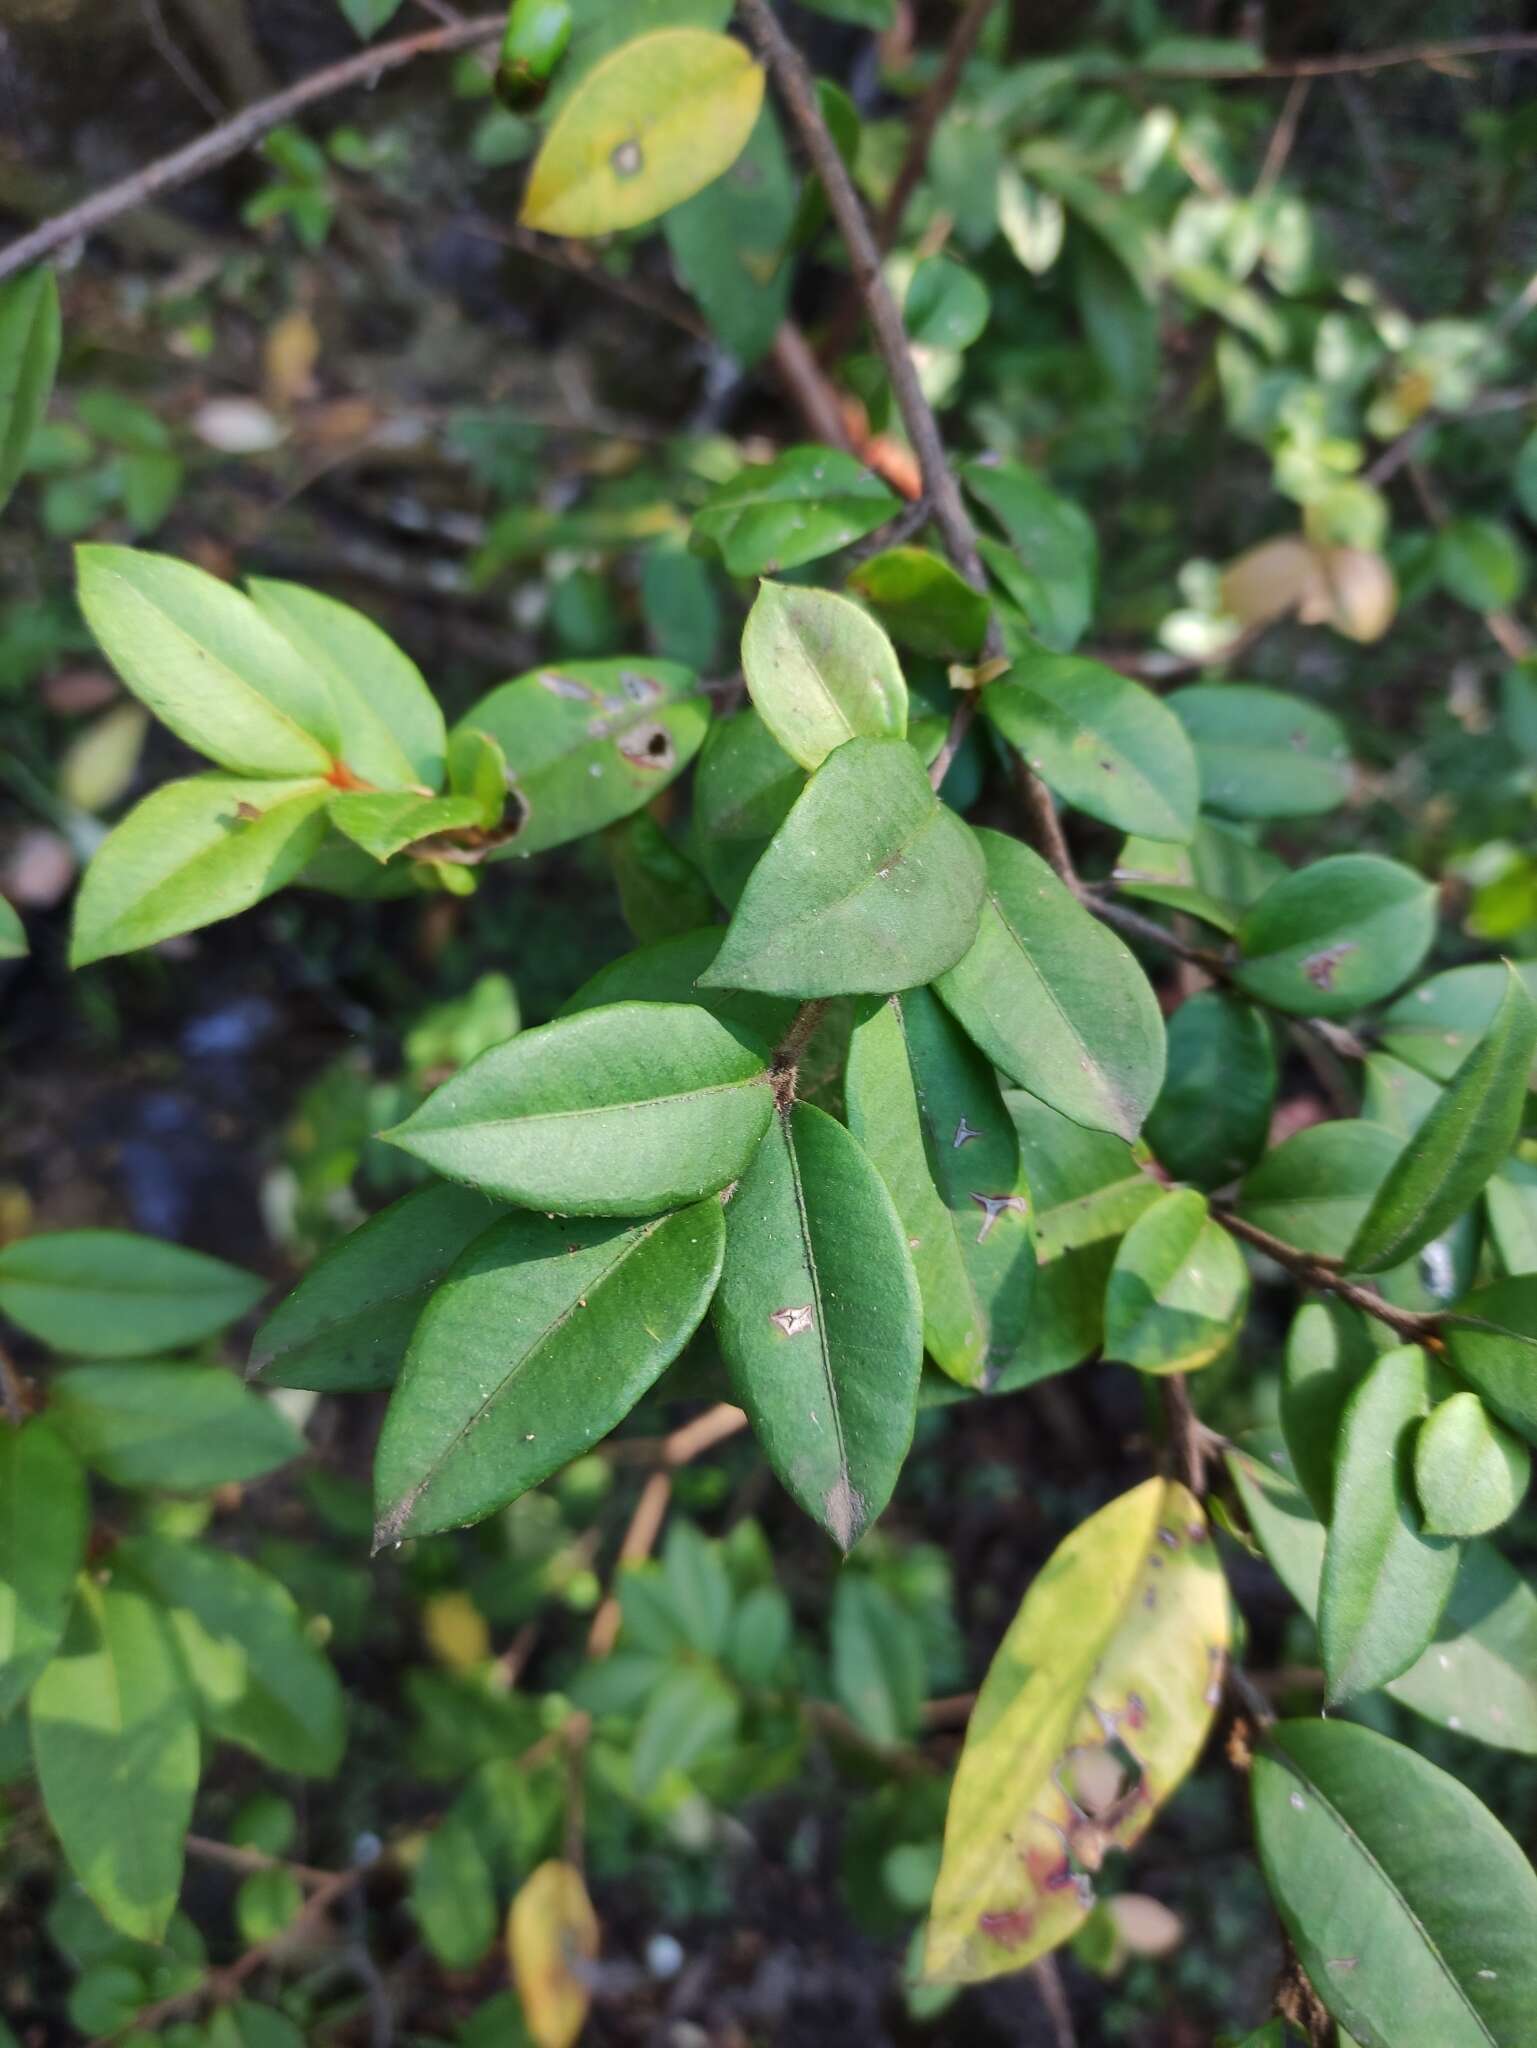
208	663
29	357
1335	936
1178	1289
820	1320
1466	1135
386	823
114	1294
44	1518
871	884
617	1111
820	671
114	1738
191	853
1056	1000
542	1338
1470	1475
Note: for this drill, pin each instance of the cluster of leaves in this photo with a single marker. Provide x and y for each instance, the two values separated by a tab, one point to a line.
882	1114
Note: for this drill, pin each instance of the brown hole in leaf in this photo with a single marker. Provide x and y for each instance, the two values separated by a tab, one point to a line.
647	746
627	159
569	687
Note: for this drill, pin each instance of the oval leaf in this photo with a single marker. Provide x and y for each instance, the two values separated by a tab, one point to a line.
1315	1187
44	1515
744	787
1470	1474
114	1294
543	1336
29	357
1337	935
618	1111
649	126
808	502
1263	753
1491	1338
1329	1351
820	1320
1212	1115
820	671
1178	1288
181	1427
552	1939
1118	1647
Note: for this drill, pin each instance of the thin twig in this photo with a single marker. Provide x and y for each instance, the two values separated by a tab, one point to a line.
1436	54
1413	1325
170	50
207	1850
181	166
931	111
1282	137
902	527
1192	1444
1047	1979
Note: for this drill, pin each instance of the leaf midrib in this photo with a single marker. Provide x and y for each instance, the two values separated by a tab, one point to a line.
1114	1098
803	1221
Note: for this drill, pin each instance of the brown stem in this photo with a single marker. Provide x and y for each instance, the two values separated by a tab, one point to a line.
1413	1325
13	1392
1188	1436
931	110
1438	54
237	134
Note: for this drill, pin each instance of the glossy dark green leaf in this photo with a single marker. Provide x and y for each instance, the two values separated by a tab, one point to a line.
661	892
1213	1112
259	1679
1491	1339
1470	1475
543	1337
1479	1675
1411	1909
114	1737
1337	935
29	357
1329	1351
871	884
1050	563
923	603
1314	1188
1460	1143
809	502
346	1325
193	852
1385	1581
729	243
1054	999
947	305
588	742
386	822
1263	753
1510	1210
114	1294
820	671
925	1106
44	1517
618	1111
820	1320
180	1427
743	789
669	971
1104	743
1178	1288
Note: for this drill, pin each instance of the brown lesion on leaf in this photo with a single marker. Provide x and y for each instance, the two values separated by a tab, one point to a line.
469	845
1010	1929
794	1321
995	1206
628	159
1320	967
571	688
647	746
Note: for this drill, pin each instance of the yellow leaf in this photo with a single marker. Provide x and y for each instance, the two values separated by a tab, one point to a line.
552	1934
648	127
456	1631
1095	1707
1359	595
1267	581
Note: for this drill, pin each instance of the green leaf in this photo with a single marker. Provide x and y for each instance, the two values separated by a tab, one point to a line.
1178	1289
728	243
542	1338
617	1111
259	1680
1216	877
1479	1675
1470	1474
1337	935
115	1741
1212	1115
29	358
389	724
1411	1909
947	305
44	1518
1510	1209
1385	1582
1435	1027
208	664
681	602
808	502
668	972
1396	1096
820	671
1120	1641
1314	1188
587	743
1050	565
114	1294
820	1321
689	1713
13	933
744	787
1329	1351
648	126
453	1891
1055	999
877	1661
477	768
1101	741
385	823
1480	563
924	603
346	1325
661	892
191	853
697	1588
1264	753
871	884
367	17
181	1427
1464	1138
1491	1339
926	1108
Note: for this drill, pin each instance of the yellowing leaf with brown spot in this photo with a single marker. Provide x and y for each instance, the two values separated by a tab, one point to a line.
652	124
552	1934
1096	1706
